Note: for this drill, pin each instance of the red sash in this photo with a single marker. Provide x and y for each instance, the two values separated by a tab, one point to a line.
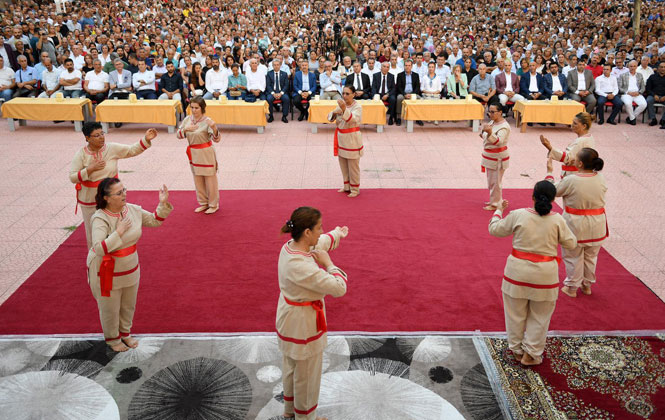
317	305
569	168
585	212
107	266
88	184
344	131
537	258
198	146
499	150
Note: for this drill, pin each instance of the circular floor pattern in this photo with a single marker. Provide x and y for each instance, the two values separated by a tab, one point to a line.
55	395
249	349
374	365
147	348
269	374
194	389
86	368
361	395
477	395
432	350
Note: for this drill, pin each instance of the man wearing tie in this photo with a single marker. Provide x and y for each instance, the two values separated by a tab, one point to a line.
384	86
407	86
304	86
360	81
277	86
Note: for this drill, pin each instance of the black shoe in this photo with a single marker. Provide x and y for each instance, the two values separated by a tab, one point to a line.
529	124
398	122
601	122
611	122
543	124
552	124
662	126
117	125
633	121
285	120
653	122
391	121
58	122
301	117
270	119
420	123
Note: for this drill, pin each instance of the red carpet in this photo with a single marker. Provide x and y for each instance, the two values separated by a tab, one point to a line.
417	260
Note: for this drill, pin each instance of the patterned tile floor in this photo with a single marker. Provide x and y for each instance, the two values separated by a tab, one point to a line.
37	199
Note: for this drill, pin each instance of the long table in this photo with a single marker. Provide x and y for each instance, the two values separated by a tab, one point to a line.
374	112
147	111
47	109
238	113
548	111
442	110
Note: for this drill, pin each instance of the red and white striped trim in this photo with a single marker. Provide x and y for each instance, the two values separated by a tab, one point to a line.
288	398
351	150
495	159
106	250
300	340
332	241
79	176
563	157
294	252
340	276
161	219
143	145
305	412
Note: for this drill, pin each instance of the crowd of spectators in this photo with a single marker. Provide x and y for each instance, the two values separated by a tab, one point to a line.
288	52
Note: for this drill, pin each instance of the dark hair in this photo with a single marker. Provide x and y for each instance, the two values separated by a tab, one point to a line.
585	119
498	106
69	60
200	102
302	218
590	160
543	195
351	88
104	189
90	126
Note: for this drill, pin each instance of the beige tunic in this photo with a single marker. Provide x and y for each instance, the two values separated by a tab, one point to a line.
302	280
110	154
495	154
535	234
584	191
567	157
203	161
105	240
350	144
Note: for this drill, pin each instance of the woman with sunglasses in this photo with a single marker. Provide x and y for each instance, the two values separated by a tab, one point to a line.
348	144
495	155
113	260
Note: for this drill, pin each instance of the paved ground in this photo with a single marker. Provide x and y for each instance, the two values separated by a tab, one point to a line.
37	199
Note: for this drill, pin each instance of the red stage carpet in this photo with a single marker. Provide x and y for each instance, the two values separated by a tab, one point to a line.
417	260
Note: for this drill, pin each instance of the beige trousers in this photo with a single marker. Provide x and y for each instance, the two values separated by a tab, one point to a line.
87	212
333	94
527	322
494	179
116	312
302	382
207	190
351	173
580	265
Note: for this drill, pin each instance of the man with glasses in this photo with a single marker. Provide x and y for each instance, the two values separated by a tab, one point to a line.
98	160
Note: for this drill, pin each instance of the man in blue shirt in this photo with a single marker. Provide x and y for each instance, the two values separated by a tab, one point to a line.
26	83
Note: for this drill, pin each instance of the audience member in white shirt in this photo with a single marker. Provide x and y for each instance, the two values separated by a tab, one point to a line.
7	80
70	79
217	81
143	82
96	83
607	90
50	80
256	82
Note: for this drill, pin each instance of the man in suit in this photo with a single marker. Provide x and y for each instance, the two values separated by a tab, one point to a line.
631	88
304	87
407	86
384	86
277	87
360	81
11	54
508	84
554	83
531	83
581	85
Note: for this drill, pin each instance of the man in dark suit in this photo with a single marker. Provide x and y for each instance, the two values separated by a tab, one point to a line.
550	85
384	86
304	87
407	86
277	87
531	83
11	54
360	81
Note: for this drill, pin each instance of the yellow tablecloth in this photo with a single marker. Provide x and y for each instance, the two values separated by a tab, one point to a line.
442	110
237	112
146	111
46	109
374	112
558	112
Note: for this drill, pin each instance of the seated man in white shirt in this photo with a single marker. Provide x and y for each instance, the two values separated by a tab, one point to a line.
50	80
159	68
631	88
256	82
607	90
217	81
70	80
330	82
371	67
143	82
96	83
7	80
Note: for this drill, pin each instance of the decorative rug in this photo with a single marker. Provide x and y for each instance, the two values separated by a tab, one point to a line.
235	378
591	377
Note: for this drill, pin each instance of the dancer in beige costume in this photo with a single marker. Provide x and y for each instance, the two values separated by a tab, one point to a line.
113	260
580	126
583	195
531	276
306	275
98	160
200	131
495	156
348	140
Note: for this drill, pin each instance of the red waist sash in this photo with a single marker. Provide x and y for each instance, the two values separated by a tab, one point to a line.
537	258
88	184
585	212
198	146
344	131
107	266
499	150
317	305
569	168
